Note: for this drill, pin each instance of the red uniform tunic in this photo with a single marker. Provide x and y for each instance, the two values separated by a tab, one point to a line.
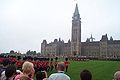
66	63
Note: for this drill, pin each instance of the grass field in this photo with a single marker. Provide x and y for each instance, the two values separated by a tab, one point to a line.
101	70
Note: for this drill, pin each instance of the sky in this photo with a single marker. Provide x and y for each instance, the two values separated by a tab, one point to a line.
24	24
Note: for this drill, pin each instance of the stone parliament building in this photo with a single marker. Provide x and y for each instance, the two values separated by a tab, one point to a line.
105	48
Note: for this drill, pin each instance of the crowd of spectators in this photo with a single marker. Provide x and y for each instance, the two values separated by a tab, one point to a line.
28	68
34	69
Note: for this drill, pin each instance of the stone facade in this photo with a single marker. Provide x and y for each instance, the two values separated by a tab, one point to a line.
104	48
56	47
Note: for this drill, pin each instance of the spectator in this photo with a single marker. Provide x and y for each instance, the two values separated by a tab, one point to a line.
5	64
10	72
117	76
86	75
60	74
41	75
28	70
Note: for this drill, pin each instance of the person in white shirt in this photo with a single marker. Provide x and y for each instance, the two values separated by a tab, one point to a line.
60	75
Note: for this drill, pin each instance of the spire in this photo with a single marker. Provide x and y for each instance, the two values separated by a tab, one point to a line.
76	15
91	38
111	39
76	10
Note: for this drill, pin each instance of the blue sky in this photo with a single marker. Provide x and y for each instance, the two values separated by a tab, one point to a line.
24	24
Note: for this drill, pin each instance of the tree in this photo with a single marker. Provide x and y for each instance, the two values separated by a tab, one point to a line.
12	52
31	52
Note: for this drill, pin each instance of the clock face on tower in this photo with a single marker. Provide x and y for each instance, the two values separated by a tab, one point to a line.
75	17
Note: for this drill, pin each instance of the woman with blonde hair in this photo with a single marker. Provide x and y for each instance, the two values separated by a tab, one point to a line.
117	75
28	70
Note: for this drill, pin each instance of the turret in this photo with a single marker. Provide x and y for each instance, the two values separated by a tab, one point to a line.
104	38
111	39
43	47
104	46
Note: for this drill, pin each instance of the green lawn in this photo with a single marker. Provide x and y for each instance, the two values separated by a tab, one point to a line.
101	70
